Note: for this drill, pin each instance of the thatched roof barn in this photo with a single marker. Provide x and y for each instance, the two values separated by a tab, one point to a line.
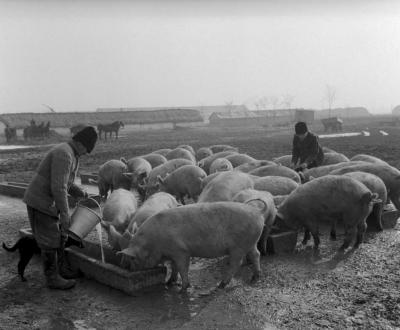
69	119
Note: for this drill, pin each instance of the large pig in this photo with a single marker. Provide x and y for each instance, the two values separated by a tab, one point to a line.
138	170
155	159
368	158
184	181
319	171
208	178
205	163
182	153
330	197
224	186
162	152
187	147
207	230
277	170
376	185
247	167
119	208
269	212
285	160
220	165
152	185
389	175
334	158
203	152
110	177
276	185
223	147
154	204
239	159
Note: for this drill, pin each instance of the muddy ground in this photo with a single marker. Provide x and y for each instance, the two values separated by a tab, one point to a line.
361	291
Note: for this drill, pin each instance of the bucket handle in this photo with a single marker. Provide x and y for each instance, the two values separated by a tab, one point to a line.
98	205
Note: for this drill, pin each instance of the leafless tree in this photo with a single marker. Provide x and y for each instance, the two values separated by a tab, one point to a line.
330	97
274	101
287	100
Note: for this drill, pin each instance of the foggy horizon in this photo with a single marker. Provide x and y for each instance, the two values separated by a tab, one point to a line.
83	55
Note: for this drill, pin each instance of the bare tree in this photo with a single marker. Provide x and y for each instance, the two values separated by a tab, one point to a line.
229	105
274	101
287	100
330	97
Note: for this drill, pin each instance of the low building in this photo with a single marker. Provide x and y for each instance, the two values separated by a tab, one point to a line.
285	117
237	118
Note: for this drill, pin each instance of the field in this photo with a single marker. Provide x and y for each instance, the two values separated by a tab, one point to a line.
360	292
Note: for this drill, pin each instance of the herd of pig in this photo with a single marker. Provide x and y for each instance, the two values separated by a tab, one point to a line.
174	204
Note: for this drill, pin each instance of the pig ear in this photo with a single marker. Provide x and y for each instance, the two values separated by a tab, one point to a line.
122	159
258	203
375	198
142	175
200	163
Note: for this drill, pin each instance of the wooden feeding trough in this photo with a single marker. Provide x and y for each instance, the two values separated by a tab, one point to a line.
89	261
86	176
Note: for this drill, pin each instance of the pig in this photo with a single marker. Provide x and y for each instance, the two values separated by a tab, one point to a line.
277	170
206	162
328	198
319	171
154	204
152	185
247	167
239	159
368	158
220	165
276	185
181	153
334	158
119	208
138	170
389	175
376	185
162	152
225	186
269	212
196	230
188	148
208	178
285	160
203	152
223	147
155	159
110	177
184	181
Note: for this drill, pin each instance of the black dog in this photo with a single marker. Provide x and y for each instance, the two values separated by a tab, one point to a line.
27	247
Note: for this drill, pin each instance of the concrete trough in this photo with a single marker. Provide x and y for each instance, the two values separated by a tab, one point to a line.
17	189
88	261
86	176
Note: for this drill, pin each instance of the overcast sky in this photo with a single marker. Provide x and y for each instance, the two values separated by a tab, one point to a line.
81	55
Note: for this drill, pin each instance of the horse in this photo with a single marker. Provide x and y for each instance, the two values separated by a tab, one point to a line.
75	129
110	128
10	133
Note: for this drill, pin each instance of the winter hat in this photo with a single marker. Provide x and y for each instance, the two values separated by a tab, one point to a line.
301	128
87	136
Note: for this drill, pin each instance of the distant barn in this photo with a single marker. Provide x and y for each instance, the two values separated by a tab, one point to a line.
284	117
350	112
237	118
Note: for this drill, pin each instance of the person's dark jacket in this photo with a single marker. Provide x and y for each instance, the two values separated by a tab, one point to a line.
307	151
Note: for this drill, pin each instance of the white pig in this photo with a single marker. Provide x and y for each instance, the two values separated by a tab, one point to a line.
220	165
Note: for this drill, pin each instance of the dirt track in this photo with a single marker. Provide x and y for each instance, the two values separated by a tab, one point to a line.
360	292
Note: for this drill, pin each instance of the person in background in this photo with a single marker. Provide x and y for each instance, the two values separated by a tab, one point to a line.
47	204
306	152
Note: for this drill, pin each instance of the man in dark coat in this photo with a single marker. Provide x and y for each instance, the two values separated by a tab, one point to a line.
306	152
47	203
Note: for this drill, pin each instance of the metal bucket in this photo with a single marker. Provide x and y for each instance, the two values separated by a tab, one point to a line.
84	219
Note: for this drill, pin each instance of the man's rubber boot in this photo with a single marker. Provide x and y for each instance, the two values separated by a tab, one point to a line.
53	279
64	267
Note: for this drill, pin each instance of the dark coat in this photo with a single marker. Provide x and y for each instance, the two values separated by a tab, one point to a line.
307	151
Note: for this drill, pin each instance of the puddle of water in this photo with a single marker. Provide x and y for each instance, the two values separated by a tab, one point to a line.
14	147
322	136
